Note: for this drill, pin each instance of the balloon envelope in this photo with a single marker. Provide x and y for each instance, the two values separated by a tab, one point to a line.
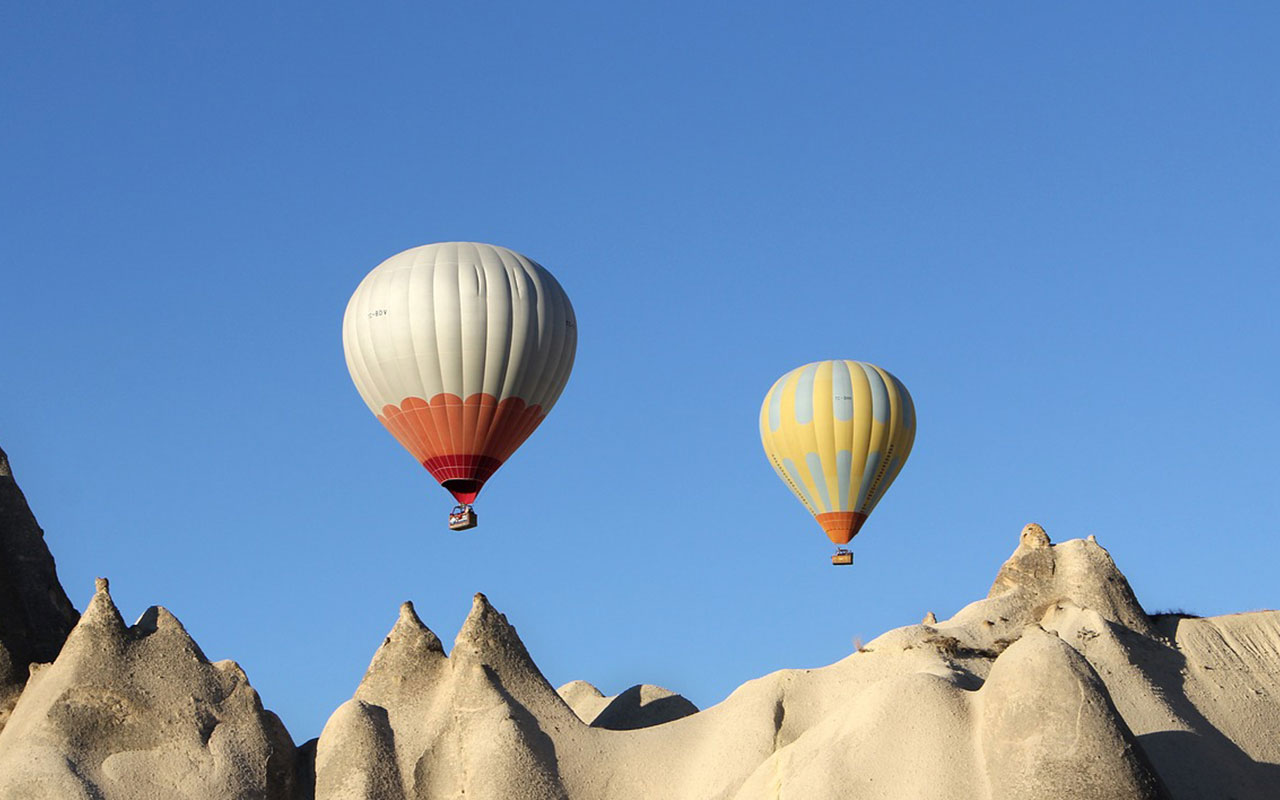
460	349
838	433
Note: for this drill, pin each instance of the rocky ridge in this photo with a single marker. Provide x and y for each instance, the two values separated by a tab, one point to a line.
1056	685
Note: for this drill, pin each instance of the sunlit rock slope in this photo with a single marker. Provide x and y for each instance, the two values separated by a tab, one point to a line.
1056	685
139	712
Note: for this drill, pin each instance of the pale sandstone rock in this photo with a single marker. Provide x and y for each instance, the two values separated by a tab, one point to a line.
139	712
640	706
1057	685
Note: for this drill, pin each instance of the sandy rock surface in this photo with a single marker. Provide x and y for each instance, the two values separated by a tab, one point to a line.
139	712
1055	686
641	706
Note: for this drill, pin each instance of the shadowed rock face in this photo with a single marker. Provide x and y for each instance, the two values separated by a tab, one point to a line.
641	706
35	614
1057	685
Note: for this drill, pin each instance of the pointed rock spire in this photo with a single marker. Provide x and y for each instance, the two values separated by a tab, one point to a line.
486	638
407	664
410	629
100	625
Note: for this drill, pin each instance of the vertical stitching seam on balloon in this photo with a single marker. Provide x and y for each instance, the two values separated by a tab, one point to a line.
789	436
555	345
824	428
904	436
549	391
422	418
805	432
445	384
483	419
880	405
492	444
842	417
885	445
470	411
419	417
769	438
529	377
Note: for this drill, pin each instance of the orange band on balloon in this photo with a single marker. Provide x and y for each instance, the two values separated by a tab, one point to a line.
461	440
841	526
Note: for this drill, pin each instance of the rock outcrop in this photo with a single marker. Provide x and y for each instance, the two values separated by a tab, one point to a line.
423	724
641	706
35	614
139	712
1056	685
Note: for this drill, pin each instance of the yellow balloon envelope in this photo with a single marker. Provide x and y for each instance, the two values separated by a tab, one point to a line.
838	433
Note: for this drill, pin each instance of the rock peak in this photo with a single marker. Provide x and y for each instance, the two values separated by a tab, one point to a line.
407	663
102	611
410	628
487	639
1039	574
158	618
1033	536
408	614
484	623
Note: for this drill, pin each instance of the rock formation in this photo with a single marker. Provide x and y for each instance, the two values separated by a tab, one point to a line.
139	712
1056	685
641	706
35	614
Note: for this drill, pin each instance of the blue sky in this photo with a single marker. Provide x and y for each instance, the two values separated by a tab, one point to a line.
1058	227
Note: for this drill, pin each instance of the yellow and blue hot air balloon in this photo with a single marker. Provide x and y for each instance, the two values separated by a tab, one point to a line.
838	433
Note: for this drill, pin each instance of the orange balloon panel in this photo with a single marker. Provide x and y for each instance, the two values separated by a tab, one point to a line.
461	443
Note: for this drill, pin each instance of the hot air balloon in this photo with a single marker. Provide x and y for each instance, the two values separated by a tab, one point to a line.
460	349
838	433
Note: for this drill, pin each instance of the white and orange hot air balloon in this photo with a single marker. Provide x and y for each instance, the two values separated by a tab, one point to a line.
460	349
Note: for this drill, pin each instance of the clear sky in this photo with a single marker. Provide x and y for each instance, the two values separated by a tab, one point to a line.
1058	226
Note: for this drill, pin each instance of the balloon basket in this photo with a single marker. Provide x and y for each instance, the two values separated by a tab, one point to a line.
462	518
842	558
